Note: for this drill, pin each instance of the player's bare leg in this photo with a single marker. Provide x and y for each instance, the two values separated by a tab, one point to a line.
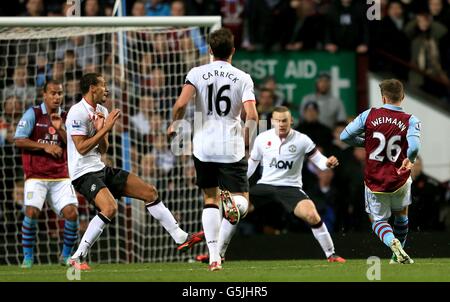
306	210
70	214
211	219
107	205
135	187
235	207
29	225
400	229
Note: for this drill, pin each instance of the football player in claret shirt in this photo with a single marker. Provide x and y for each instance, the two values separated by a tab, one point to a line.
42	137
392	140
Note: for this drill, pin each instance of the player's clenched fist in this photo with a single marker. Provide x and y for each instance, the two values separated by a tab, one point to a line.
56	120
332	162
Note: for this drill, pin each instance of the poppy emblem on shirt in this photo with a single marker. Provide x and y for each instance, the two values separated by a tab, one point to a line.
269	144
51	130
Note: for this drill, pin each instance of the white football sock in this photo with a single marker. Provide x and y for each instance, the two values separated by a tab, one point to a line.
323	236
93	232
227	231
165	217
211	226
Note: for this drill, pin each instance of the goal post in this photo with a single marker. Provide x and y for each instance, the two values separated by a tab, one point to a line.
144	72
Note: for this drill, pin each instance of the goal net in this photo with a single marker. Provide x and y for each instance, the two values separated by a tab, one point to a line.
144	61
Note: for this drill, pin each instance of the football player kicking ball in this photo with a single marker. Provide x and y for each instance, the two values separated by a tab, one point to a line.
88	125
392	141
281	152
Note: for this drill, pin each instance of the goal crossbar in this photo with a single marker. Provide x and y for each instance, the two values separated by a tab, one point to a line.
213	21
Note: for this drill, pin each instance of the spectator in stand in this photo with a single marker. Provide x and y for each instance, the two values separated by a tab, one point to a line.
392	39
439	12
324	195
168	61
165	160
202	8
58	71
91	8
12	111
157	8
341	179
305	30
310	125
265	106
232	12
35	8
142	120
426	37
71	67
427	200
148	169
331	109
267	20
138	9
178	9
83	47
72	94
271	84
20	88
43	69
347	27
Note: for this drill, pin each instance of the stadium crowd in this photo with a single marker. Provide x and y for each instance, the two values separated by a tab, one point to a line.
414	31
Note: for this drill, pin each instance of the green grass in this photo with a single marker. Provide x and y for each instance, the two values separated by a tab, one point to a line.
237	271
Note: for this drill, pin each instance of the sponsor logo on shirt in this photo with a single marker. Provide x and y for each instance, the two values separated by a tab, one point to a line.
41	125
418	126
76	124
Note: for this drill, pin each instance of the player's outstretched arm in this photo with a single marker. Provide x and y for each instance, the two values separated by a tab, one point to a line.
323	162
84	144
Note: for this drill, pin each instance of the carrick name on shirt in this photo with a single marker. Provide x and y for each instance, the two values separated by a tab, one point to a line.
217	73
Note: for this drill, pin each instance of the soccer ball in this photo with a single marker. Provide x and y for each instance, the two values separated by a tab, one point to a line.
242	204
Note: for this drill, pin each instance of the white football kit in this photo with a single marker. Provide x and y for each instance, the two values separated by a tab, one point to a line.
80	122
282	161
221	90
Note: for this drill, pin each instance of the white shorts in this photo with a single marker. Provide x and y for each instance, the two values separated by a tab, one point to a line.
58	193
379	206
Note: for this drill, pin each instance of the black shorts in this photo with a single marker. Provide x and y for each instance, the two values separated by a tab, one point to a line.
289	197
89	184
227	176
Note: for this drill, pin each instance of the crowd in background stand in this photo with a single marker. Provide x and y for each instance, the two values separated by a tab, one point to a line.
415	31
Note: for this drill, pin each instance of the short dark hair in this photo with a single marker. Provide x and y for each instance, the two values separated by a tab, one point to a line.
311	104
221	42
281	109
392	89
51	82
87	80
264	89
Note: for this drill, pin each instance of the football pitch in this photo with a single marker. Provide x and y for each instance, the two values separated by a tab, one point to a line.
423	270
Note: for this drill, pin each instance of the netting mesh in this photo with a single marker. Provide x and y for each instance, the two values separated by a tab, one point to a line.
144	74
